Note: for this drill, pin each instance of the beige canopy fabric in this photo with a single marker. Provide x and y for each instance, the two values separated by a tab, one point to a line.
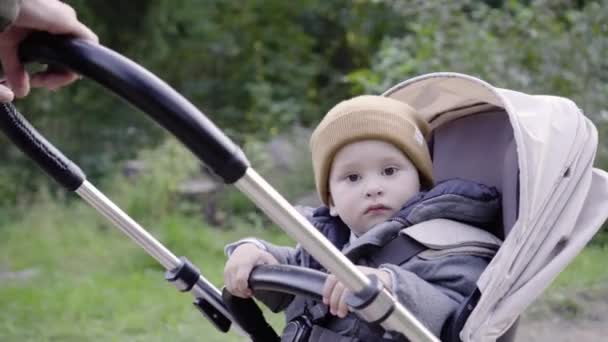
563	200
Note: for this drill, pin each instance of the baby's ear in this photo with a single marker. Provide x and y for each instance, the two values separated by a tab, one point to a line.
332	208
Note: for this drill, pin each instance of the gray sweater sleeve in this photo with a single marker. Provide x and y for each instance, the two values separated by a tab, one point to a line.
432	289
284	255
9	9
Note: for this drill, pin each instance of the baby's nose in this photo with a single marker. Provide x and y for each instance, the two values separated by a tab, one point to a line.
373	191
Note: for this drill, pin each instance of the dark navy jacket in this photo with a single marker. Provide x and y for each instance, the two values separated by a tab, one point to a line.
431	284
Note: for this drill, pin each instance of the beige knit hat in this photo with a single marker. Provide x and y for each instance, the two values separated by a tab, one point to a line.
369	117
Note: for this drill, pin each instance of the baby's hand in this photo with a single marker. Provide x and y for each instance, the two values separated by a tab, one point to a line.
334	292
239	265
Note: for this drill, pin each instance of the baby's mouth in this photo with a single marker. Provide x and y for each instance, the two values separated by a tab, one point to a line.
376	209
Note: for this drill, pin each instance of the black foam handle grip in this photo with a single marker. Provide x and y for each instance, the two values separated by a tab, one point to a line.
35	146
145	91
288	279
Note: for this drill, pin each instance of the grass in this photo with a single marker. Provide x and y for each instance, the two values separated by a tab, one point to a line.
88	282
91	283
586	271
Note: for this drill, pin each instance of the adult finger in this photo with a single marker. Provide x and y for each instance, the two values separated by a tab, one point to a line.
6	95
53	79
80	30
15	74
74	28
69	24
53	16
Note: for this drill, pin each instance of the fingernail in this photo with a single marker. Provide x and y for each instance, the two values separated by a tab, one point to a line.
6	95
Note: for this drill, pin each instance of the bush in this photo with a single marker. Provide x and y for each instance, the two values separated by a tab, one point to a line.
537	47
152	194
284	163
543	48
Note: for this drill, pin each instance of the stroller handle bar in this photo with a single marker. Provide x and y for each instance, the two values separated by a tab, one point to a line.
35	146
69	175
146	92
176	114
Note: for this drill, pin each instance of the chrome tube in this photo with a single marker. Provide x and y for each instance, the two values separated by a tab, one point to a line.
291	221
287	217
127	225
154	248
404	322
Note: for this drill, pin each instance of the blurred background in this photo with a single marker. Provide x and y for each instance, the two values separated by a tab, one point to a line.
265	72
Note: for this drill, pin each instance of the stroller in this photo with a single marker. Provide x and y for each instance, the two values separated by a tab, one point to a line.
538	151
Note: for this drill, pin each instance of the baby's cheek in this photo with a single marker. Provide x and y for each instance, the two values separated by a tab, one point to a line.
374	221
393	212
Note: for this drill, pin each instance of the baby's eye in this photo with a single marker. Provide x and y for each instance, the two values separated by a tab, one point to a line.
353	177
389	171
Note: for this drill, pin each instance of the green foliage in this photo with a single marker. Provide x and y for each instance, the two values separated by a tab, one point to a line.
82	272
585	271
292	178
254	67
259	67
542	47
152	193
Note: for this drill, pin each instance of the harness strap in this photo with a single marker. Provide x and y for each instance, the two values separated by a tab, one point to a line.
318	312
397	251
321	334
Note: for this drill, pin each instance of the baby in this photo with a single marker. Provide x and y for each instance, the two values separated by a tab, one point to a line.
370	162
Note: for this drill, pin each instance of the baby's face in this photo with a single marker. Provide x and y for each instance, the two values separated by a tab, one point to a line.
369	181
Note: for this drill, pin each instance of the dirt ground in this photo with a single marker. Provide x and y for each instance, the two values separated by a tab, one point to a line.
578	317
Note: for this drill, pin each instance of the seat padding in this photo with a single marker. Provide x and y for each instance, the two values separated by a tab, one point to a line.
480	147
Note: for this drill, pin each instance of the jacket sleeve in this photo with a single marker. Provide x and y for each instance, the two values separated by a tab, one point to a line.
275	301
432	289
9	9
285	255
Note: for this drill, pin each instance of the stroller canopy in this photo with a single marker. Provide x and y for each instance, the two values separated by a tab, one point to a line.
562	200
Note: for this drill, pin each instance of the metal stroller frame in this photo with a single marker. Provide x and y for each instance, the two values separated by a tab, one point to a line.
216	151
155	98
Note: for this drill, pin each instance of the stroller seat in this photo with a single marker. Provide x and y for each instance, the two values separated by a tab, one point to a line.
479	147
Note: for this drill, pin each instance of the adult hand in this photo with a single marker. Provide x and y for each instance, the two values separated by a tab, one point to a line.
51	16
239	266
